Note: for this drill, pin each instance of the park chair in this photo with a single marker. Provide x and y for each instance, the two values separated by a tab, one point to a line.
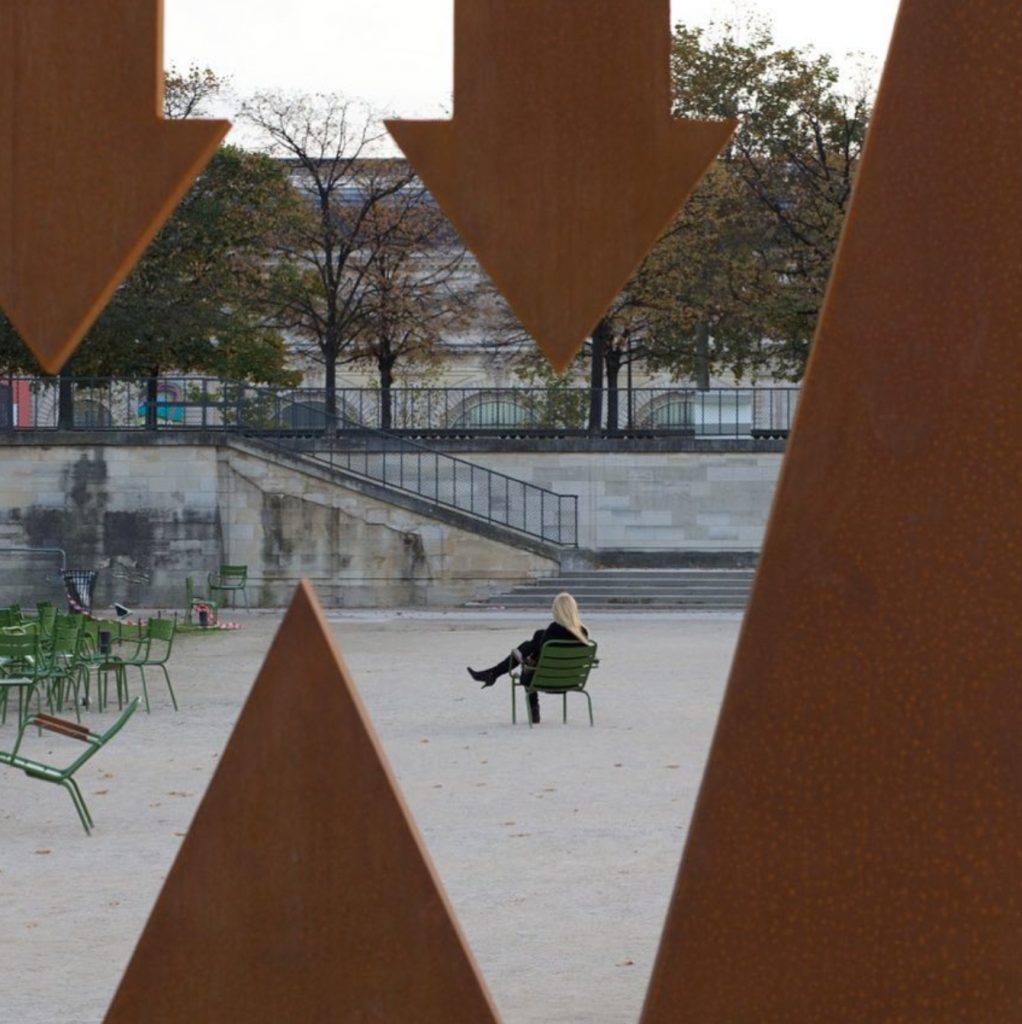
47	617
65	776
194	602
153	651
20	657
229	580
62	665
10	616
563	667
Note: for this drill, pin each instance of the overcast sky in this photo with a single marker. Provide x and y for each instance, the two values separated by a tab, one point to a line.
397	54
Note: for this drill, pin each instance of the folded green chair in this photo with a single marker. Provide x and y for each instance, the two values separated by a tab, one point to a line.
65	776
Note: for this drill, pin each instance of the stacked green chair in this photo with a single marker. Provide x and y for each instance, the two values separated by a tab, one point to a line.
20	658
63	661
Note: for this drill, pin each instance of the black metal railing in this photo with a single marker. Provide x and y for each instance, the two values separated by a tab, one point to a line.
441	479
396	462
203	403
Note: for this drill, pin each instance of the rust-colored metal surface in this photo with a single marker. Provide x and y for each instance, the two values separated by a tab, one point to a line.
89	170
562	164
856	851
303	891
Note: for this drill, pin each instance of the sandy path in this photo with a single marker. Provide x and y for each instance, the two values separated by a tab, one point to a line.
558	845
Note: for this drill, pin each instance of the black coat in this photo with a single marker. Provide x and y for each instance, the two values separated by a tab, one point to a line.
531	648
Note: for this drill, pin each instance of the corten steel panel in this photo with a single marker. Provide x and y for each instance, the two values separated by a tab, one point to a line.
302	891
89	170
562	164
855	851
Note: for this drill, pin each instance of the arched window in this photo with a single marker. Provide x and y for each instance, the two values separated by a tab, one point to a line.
676	412
309	415
90	412
490	412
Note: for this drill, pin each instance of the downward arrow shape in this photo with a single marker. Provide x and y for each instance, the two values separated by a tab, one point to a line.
89	170
562	164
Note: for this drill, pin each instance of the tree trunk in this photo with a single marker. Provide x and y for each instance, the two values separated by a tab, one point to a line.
66	399
385	362
330	398
613	356
701	363
601	335
151	395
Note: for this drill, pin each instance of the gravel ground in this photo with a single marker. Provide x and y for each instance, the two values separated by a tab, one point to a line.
558	845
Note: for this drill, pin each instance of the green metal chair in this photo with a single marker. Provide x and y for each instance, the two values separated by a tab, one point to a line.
20	657
47	616
563	667
65	776
62	665
153	651
229	580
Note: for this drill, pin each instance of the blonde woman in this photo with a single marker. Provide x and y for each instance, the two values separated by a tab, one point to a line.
566	626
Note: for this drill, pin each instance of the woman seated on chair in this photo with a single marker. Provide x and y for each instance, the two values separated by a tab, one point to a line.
566	626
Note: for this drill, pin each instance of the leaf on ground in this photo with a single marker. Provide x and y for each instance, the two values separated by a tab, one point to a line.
100	792
43	851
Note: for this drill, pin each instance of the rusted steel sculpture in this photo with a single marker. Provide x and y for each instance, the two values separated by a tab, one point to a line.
89	169
562	164
302	891
855	851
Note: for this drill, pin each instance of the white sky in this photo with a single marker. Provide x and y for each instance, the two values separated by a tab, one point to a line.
397	54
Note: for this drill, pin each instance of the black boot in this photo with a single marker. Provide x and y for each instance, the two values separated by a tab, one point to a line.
534	708
488	676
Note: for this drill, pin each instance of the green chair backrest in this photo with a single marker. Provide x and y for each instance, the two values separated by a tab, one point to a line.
563	665
10	617
47	616
19	652
234	574
67	633
161	629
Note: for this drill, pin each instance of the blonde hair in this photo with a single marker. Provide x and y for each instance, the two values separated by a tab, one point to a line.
565	612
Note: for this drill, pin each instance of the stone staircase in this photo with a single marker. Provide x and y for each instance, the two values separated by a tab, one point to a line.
664	589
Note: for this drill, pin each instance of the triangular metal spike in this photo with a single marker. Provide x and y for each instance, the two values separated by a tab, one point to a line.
562	164
95	169
302	890
854	855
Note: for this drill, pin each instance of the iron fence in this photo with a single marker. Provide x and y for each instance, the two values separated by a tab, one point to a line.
281	420
208	403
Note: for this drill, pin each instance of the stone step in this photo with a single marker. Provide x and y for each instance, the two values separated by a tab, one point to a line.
725	589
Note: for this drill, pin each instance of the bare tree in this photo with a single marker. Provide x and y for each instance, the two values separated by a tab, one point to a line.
322	284
415	290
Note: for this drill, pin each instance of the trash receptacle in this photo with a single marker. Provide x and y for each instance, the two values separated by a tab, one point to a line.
79	584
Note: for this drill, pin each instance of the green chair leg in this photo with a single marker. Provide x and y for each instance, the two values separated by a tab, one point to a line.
166	676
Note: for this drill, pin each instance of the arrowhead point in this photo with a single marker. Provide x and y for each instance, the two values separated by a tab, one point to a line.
302	890
73	233
560	234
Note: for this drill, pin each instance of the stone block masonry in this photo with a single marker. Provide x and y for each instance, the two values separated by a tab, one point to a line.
150	511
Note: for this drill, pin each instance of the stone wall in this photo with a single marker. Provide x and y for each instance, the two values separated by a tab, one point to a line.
656	501
150	514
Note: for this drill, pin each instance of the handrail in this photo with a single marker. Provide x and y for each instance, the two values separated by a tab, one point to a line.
448	481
